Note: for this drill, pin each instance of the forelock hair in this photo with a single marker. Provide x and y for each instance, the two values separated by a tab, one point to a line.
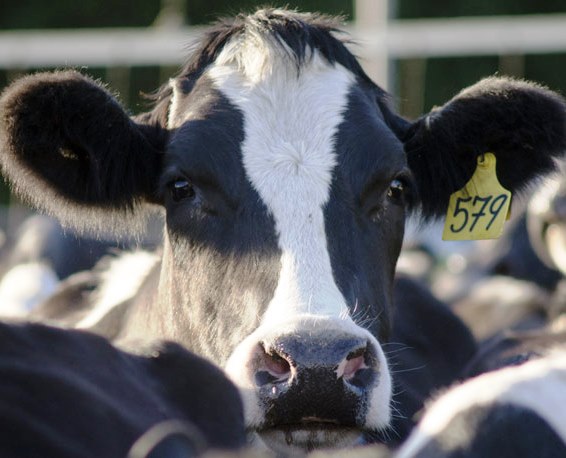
287	32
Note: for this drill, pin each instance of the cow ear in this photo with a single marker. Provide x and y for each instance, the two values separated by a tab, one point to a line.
70	149
523	124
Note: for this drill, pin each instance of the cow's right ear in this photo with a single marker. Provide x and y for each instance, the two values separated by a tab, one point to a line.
70	149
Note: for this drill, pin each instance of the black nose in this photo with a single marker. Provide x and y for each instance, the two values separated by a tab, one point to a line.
322	378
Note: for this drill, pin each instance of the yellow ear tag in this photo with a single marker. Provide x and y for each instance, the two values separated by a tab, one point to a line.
478	210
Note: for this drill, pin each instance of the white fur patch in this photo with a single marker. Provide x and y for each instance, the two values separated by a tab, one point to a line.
120	282
24	287
539	385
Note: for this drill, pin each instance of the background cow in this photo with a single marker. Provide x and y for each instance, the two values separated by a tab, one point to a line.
430	349
513	412
66	393
285	178
515	408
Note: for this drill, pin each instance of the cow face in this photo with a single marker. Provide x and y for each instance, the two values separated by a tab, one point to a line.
295	199
285	178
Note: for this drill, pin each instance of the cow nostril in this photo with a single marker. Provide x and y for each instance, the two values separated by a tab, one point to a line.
276	364
358	368
352	366
272	366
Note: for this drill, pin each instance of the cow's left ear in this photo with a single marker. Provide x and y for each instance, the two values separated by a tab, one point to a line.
70	149
523	124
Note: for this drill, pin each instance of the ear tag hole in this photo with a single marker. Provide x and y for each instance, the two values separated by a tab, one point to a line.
478	210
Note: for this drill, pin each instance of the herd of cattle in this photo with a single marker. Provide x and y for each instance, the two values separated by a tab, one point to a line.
271	320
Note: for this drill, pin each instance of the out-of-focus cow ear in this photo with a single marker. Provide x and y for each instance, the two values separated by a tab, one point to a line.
523	124
69	148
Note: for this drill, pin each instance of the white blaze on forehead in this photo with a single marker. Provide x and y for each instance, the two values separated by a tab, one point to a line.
290	121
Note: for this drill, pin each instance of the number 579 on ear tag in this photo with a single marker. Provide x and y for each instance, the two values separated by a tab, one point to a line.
478	210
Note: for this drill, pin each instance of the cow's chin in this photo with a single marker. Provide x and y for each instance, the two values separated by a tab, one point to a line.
301	438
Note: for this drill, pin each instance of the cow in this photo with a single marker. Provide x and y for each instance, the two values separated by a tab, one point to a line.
516	411
515	256
430	348
68	393
38	254
546	222
546	214
42	239
285	177
521	285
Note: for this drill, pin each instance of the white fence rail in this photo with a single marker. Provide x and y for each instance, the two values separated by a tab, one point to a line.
95	47
398	39
529	34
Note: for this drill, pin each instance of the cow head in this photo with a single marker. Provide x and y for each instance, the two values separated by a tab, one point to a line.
546	221
285	179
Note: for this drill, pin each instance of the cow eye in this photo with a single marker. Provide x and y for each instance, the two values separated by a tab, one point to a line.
396	191
182	189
